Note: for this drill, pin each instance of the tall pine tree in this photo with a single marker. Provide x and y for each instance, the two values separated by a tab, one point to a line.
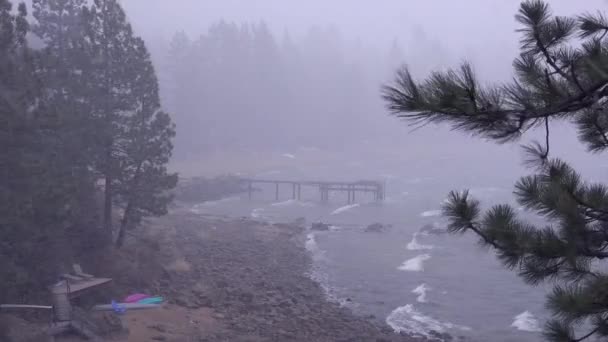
143	184
35	185
65	58
561	74
134	134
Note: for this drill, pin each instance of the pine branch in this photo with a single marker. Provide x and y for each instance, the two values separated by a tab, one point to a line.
591	25
418	103
546	154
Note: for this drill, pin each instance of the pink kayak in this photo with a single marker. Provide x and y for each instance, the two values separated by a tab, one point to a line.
134	298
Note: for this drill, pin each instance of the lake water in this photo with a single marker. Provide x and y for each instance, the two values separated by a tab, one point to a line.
412	280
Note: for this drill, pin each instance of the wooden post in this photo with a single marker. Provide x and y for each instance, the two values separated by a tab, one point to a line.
324	193
353	196
250	189
350	196
299	191
276	194
293	191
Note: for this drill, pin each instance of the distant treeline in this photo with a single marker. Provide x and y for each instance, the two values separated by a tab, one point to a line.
241	85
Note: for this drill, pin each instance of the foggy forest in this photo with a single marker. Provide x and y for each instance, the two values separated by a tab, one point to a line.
229	170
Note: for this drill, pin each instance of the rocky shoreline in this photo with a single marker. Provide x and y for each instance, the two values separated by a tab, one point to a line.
252	277
224	279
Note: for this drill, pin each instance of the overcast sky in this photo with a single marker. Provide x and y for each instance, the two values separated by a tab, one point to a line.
478	30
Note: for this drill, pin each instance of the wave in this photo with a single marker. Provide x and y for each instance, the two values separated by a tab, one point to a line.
197	208
220	201
421	292
292	202
332	294
257	213
415	264
526	321
288	155
406	319
415	246
345	208
431	213
313	248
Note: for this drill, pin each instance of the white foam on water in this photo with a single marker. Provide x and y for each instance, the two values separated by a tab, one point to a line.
257	213
311	243
414	245
198	208
421	291
284	203
288	155
526	321
431	213
345	208
221	201
408	320
415	264
313	248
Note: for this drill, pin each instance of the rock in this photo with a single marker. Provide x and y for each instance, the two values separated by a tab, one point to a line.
246	298
204	301
320	226
300	221
218	315
376	228
158	327
181	301
159	338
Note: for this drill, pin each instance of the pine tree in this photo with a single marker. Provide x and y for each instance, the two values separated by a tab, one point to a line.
144	182
36	211
59	25
110	36
561	74
133	131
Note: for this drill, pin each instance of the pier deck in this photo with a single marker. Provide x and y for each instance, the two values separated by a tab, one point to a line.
351	188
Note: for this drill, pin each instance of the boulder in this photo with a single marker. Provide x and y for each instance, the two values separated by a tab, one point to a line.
376	228
300	222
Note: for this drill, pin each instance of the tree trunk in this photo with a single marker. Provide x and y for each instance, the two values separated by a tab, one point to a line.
126	218
107	208
124	225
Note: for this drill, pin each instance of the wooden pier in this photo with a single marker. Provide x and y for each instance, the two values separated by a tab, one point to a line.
350	188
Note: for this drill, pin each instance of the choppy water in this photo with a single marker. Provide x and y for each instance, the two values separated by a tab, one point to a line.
413	280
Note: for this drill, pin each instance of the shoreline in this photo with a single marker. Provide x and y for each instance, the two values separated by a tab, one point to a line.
223	279
252	281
